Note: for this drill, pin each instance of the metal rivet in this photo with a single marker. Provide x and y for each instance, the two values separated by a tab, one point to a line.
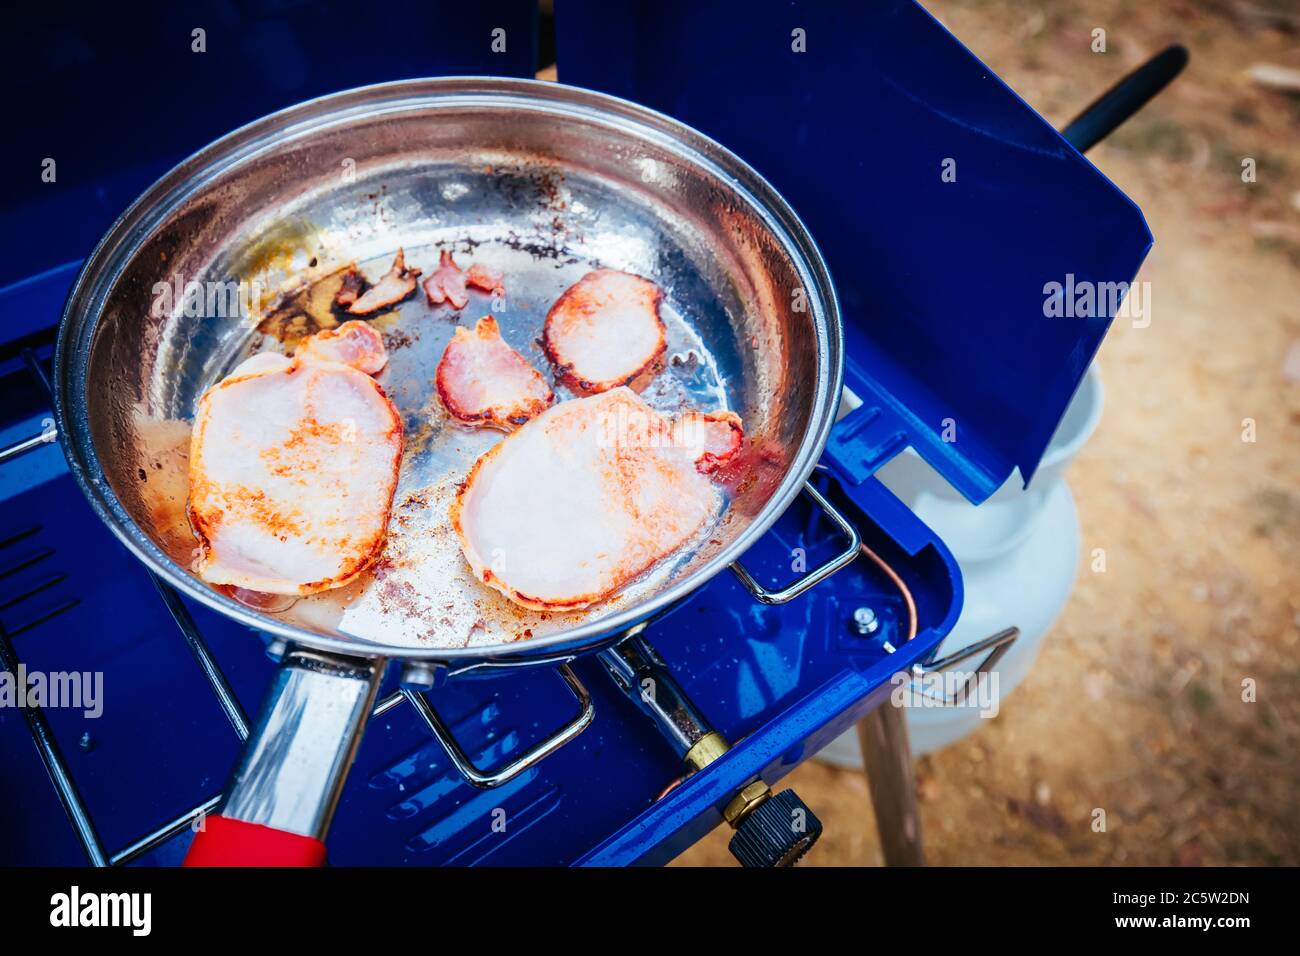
418	677
864	619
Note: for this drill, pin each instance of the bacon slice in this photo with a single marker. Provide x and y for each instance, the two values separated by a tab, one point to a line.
481	277
712	439
353	343
397	283
579	502
483	381
604	331
446	283
293	465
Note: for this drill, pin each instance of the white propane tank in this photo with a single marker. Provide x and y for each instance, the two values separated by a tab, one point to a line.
1018	553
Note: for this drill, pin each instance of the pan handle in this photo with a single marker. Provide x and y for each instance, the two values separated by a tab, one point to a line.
225	841
282	796
1125	98
484	779
817	574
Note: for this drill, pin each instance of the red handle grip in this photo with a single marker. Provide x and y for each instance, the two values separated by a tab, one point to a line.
224	841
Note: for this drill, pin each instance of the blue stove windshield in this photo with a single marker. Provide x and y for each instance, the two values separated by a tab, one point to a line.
946	207
113	99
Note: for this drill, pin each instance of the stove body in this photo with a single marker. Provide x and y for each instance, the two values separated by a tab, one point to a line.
786	679
778	681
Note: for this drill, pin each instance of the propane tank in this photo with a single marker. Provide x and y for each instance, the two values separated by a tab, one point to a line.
1018	553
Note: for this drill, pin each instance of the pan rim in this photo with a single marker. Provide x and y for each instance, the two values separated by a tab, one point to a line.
83	311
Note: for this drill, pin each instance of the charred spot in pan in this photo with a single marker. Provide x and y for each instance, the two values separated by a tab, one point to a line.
402	598
289	324
467	418
465	244
478	627
543	247
309	308
531	185
415	501
323	303
395	339
382	567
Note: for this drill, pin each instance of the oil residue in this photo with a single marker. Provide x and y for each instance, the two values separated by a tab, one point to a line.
421	591
259	600
276	249
305	310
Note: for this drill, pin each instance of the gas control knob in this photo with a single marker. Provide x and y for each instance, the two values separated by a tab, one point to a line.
776	832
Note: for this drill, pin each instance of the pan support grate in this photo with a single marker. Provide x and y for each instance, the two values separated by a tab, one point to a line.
61	776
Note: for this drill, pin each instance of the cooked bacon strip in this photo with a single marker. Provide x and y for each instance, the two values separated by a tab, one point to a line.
481	277
397	283
483	381
712	438
293	465
581	501
446	283
354	283
604	331
353	343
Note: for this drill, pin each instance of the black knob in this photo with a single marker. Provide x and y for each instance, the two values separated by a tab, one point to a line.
777	832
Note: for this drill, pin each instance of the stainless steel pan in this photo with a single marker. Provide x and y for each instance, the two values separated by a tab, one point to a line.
539	180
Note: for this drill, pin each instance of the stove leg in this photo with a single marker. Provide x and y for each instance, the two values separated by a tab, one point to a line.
887	758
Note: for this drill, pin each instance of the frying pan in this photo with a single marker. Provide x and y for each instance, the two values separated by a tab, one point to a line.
540	181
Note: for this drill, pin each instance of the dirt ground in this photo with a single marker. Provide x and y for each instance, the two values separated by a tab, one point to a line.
1135	705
